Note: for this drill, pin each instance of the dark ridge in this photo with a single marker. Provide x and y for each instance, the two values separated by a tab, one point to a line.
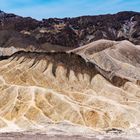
34	63
118	81
70	61
4	57
54	67
68	32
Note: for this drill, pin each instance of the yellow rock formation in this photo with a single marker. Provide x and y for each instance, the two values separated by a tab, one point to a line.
32	96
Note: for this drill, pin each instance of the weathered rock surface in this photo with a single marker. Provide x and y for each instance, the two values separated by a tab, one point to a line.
119	58
40	89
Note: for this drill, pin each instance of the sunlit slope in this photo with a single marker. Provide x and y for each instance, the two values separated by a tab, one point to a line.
37	89
119	58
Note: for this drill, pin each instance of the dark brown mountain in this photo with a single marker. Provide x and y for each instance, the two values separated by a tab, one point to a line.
68	32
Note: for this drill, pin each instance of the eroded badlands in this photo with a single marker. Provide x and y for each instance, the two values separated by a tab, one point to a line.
42	89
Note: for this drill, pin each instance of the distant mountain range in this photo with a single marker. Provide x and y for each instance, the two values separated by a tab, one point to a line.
26	32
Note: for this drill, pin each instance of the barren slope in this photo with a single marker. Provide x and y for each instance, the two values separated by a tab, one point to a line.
119	58
23	32
41	89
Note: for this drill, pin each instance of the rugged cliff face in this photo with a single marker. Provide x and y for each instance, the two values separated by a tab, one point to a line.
68	32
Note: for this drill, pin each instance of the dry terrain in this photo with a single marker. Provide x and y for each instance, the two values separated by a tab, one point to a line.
90	91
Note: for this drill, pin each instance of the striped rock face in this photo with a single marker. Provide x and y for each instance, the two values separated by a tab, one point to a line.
42	89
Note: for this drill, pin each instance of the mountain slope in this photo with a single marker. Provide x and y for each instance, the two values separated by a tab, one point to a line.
120	58
71	32
40	89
